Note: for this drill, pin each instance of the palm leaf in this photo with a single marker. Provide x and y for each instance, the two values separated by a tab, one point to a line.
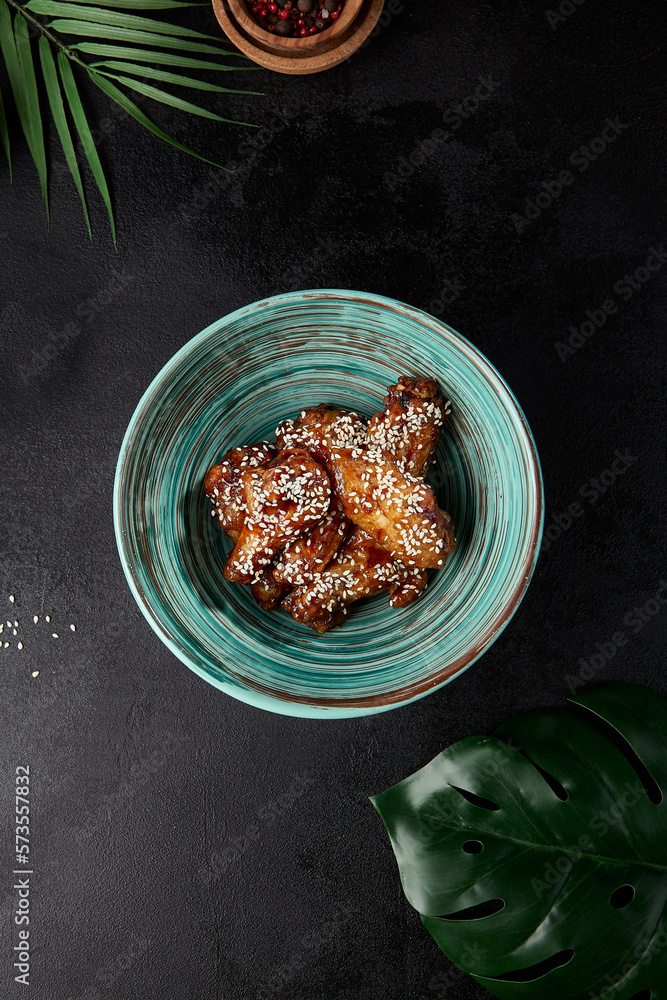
537	857
161	95
53	8
136	4
133	47
82	127
4	136
176	78
15	45
35	133
90	30
112	91
155	56
60	119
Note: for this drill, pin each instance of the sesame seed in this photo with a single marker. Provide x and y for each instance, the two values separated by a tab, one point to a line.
73	628
6	644
20	645
36	619
12	598
55	635
48	618
35	673
14	631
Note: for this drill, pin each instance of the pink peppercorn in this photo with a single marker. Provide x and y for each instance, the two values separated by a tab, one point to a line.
306	17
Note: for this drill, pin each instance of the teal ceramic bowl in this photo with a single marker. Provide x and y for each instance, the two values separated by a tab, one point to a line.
231	385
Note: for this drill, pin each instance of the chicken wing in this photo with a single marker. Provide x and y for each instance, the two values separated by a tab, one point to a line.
408	429
284	499
399	511
301	559
410	586
319	429
359	569
267	591
224	487
223	483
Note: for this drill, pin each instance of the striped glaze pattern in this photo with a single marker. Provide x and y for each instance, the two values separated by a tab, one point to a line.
231	385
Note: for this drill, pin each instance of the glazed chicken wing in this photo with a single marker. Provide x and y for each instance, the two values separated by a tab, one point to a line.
223	483
410	586
408	429
224	486
399	511
319	429
284	499
267	591
360	568
301	559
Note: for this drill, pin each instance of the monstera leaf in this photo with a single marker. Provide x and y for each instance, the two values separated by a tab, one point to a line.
537	858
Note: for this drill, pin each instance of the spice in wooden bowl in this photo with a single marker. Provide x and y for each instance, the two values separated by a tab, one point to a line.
296	18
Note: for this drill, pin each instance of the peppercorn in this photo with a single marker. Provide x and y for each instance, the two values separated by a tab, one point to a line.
302	18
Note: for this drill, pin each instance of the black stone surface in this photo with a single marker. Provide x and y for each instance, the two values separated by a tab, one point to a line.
159	871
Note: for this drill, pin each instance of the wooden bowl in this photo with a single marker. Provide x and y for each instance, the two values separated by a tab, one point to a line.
298	56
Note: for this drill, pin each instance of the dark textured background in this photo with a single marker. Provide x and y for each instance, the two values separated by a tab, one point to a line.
158	875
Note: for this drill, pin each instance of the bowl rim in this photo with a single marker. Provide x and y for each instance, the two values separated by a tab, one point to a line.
329	708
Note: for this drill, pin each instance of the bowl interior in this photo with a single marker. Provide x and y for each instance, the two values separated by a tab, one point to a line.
231	385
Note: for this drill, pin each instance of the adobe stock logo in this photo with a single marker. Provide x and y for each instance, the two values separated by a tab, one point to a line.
634	620
455	115
624	289
591	490
581	158
566	9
